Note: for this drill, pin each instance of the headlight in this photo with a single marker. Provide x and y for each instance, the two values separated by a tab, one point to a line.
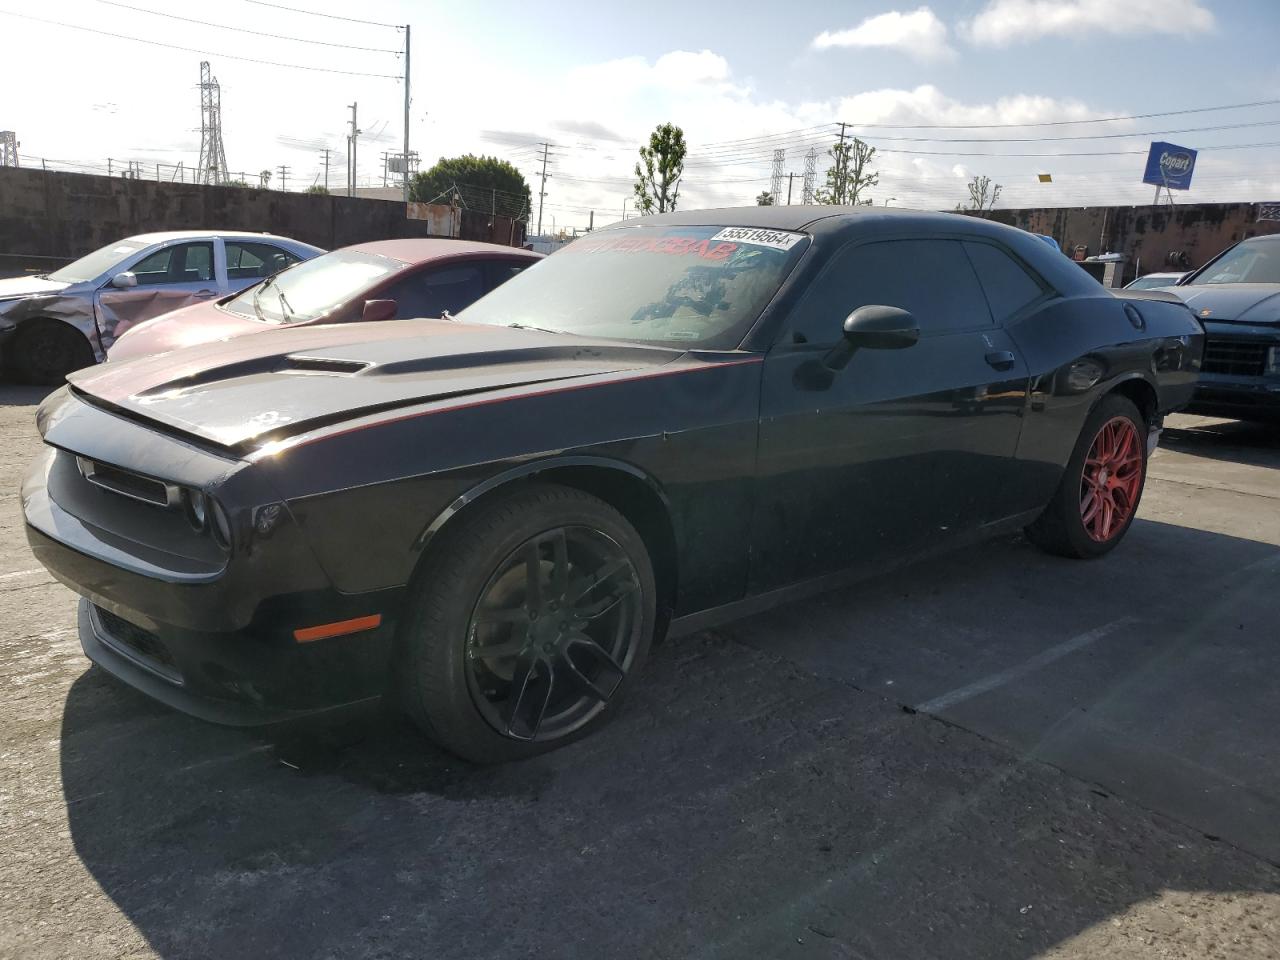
196	506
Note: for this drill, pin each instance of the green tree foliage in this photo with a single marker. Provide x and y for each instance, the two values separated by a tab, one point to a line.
659	170
317	188
850	174
765	199
476	179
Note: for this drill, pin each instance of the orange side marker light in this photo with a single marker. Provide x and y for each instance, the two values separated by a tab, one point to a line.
339	629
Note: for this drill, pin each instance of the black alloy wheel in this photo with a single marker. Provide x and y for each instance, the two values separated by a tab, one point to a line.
530	616
552	636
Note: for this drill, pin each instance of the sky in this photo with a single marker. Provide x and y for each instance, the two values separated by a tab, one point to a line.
1003	88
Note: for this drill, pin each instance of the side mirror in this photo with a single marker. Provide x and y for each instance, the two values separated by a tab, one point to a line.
376	311
123	281
873	327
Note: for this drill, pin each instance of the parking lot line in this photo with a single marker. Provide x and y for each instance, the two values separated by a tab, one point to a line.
1041	659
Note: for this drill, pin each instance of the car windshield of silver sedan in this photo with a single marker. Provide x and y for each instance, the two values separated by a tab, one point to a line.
314	287
700	286
97	263
1247	263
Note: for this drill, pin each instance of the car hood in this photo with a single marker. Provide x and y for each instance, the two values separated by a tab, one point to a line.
1232	302
14	287
269	386
185	327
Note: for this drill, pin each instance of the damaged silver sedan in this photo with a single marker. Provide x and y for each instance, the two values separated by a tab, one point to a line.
51	324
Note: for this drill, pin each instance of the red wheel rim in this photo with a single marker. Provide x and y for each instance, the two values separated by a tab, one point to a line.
1111	480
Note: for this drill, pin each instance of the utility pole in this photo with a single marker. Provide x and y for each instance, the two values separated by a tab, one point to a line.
284	176
841	166
326	169
542	193
791	178
406	113
352	166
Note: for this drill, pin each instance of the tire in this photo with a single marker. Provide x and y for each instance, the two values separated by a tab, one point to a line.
1076	522
44	351
487	680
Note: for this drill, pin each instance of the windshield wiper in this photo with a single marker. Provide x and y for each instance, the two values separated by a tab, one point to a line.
285	308
529	326
257	308
446	315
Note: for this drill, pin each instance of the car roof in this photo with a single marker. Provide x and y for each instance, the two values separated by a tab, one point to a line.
422	249
163	236
786	217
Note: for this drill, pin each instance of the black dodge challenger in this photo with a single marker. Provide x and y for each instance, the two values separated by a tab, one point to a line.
673	421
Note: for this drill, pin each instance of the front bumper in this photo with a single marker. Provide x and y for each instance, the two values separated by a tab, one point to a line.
1234	378
1244	398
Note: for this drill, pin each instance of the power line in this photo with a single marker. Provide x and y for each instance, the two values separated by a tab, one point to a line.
208	53
330	16
1088	136
1063	123
256	33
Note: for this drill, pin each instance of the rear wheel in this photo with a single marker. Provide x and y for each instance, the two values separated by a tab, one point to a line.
1102	486
43	352
528	623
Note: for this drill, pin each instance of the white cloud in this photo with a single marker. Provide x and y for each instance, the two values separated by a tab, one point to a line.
1003	22
918	33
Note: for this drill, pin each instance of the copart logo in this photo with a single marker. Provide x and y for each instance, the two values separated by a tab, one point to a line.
1175	162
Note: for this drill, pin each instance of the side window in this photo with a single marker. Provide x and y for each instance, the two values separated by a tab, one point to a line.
500	271
180	263
932	279
1007	284
249	260
432	292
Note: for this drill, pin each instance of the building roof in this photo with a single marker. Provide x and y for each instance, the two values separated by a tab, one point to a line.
419	249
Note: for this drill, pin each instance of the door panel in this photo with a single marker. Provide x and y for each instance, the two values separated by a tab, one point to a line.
168	278
900	450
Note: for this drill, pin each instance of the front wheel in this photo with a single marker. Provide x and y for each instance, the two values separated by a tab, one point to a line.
1099	494
529	621
43	352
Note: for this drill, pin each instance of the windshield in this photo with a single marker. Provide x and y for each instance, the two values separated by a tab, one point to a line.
95	264
1150	282
313	287
1245	263
693	286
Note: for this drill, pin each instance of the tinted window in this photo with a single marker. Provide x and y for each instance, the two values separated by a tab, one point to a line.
181	263
432	292
249	260
1007	285
500	271
932	279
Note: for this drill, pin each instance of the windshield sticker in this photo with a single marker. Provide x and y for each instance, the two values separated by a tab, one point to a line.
776	239
675	246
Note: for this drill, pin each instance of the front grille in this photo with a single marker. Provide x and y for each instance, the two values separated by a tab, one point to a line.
1237	358
126	482
140	644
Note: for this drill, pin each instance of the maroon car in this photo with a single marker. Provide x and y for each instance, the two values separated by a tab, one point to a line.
382	280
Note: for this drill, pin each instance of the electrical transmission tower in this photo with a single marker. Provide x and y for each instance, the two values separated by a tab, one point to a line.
8	148
810	174
775	189
213	159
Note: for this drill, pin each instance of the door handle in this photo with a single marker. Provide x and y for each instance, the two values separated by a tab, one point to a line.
206	293
1000	359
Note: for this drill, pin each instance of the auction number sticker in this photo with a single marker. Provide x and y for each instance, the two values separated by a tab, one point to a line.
777	239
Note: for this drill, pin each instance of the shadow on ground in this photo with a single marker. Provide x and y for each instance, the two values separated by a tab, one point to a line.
740	807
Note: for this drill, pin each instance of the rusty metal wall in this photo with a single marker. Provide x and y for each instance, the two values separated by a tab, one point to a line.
1148	235
66	215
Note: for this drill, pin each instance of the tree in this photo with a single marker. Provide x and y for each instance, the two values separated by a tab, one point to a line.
479	181
264	178
850	173
765	199
319	188
983	194
234	183
659	170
